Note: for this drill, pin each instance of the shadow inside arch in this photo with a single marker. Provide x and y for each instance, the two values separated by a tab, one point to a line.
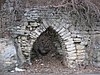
48	47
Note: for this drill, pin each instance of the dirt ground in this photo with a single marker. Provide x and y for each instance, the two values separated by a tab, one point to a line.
51	66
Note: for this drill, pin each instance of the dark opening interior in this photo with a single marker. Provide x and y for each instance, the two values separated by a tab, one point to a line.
47	47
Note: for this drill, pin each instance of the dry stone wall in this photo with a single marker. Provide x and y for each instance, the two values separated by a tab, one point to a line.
37	22
37	19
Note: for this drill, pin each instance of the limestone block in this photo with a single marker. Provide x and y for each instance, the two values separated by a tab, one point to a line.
69	43
84	43
81	51
37	32
81	57
41	29
27	54
31	28
24	38
45	23
71	52
23	41
32	34
19	40
62	30
35	24
63	33
26	47
70	46
77	40
75	32
59	28
24	44
71	61
67	35
79	47
72	55
72	58
73	35
18	27
79	36
80	54
78	61
70	39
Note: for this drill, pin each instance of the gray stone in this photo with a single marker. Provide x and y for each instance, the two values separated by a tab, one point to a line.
67	35
77	39
69	43
71	49
70	46
80	47
62	30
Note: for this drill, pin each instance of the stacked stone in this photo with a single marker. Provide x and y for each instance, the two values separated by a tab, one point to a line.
70	47
74	51
26	40
80	48
23	44
71	51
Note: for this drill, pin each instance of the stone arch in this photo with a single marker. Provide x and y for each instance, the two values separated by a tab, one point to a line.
70	50
74	53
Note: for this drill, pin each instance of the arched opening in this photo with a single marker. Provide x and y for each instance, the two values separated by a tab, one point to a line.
48	48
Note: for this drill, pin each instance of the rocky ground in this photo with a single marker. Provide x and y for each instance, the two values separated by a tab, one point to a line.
48	66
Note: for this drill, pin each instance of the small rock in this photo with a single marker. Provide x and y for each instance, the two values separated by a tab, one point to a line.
12	71
18	69
42	64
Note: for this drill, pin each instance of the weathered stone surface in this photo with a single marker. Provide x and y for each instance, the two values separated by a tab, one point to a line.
71	52
80	47
77	39
81	54
66	36
7	53
69	43
38	33
62	30
24	38
71	49
81	51
37	21
63	33
72	55
73	35
70	46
